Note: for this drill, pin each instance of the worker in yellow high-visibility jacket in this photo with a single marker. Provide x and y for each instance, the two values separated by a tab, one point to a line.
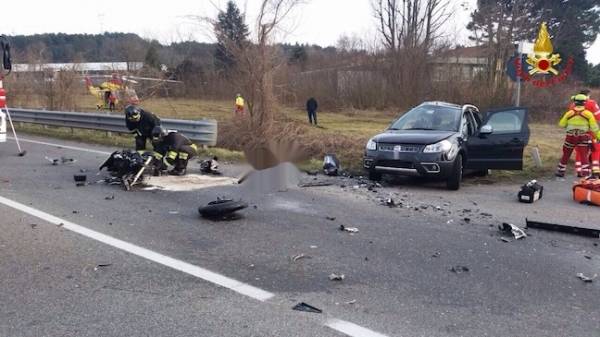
239	104
581	126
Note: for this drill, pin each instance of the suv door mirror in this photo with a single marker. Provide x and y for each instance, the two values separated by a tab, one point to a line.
486	130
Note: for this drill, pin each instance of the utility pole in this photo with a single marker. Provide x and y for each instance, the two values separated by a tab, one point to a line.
523	48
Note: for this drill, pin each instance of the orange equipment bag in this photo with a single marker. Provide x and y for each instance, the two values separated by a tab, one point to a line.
587	191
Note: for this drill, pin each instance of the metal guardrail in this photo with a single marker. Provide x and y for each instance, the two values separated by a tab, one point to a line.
203	132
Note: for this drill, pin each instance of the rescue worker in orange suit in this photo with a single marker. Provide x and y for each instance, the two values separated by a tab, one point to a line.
578	122
592	106
172	148
239	105
141	123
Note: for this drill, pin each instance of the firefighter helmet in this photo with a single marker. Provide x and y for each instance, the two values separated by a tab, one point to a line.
133	113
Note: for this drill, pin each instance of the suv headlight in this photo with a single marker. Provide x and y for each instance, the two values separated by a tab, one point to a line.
444	146
371	145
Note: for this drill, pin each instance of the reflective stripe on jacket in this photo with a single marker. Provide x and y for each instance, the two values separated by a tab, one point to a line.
579	119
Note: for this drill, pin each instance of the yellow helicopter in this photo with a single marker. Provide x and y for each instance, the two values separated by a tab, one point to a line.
117	92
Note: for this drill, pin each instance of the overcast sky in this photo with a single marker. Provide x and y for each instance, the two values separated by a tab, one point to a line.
319	22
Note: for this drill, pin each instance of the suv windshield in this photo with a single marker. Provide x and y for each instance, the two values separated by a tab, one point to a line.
429	117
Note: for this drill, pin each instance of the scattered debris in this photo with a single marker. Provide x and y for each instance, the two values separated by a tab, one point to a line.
336	277
300	256
436	254
467	220
80	179
350	230
449	221
221	208
517	232
331	164
33	225
586	279
173	212
102	266
316	184
505	239
587	257
110	197
210	166
486	215
390	202
312	173
61	160
83	170
60	224
313	247
350	302
330	218
531	192
307	308
459	269
595	233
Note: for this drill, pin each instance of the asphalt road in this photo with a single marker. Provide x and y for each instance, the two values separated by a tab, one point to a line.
100	272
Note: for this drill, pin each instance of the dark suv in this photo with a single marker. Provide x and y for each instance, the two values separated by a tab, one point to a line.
441	140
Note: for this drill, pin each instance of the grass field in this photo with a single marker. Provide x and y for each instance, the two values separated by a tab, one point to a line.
357	126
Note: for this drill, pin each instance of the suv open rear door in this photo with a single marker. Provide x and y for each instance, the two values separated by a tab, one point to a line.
500	142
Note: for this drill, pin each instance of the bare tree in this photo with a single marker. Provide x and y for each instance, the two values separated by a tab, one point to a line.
257	61
410	23
409	29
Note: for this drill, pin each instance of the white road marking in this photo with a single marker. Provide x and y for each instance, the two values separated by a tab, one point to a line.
351	329
345	327
62	146
207	275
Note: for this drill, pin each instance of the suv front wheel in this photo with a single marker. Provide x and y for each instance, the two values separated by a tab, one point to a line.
455	178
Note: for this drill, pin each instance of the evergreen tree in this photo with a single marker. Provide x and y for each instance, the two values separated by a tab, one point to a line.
151	59
298	55
573	24
593	76
231	32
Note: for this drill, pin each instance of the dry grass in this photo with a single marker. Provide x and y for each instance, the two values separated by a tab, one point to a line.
344	133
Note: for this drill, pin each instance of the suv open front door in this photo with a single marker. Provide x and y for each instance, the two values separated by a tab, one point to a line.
500	142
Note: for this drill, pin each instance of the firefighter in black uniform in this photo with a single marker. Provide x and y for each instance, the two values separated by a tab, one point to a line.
173	148
141	123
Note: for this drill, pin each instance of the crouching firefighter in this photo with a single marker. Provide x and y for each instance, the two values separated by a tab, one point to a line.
578	122
141	123
172	148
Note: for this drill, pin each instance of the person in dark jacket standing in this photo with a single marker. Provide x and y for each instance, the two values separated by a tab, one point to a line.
311	108
141	123
174	149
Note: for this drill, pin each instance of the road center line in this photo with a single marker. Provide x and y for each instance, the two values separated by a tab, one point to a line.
199	272
62	146
351	329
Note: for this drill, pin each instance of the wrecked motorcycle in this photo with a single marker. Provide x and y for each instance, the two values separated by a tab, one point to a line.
127	167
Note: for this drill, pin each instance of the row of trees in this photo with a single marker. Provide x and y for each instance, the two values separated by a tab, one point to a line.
499	24
395	70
